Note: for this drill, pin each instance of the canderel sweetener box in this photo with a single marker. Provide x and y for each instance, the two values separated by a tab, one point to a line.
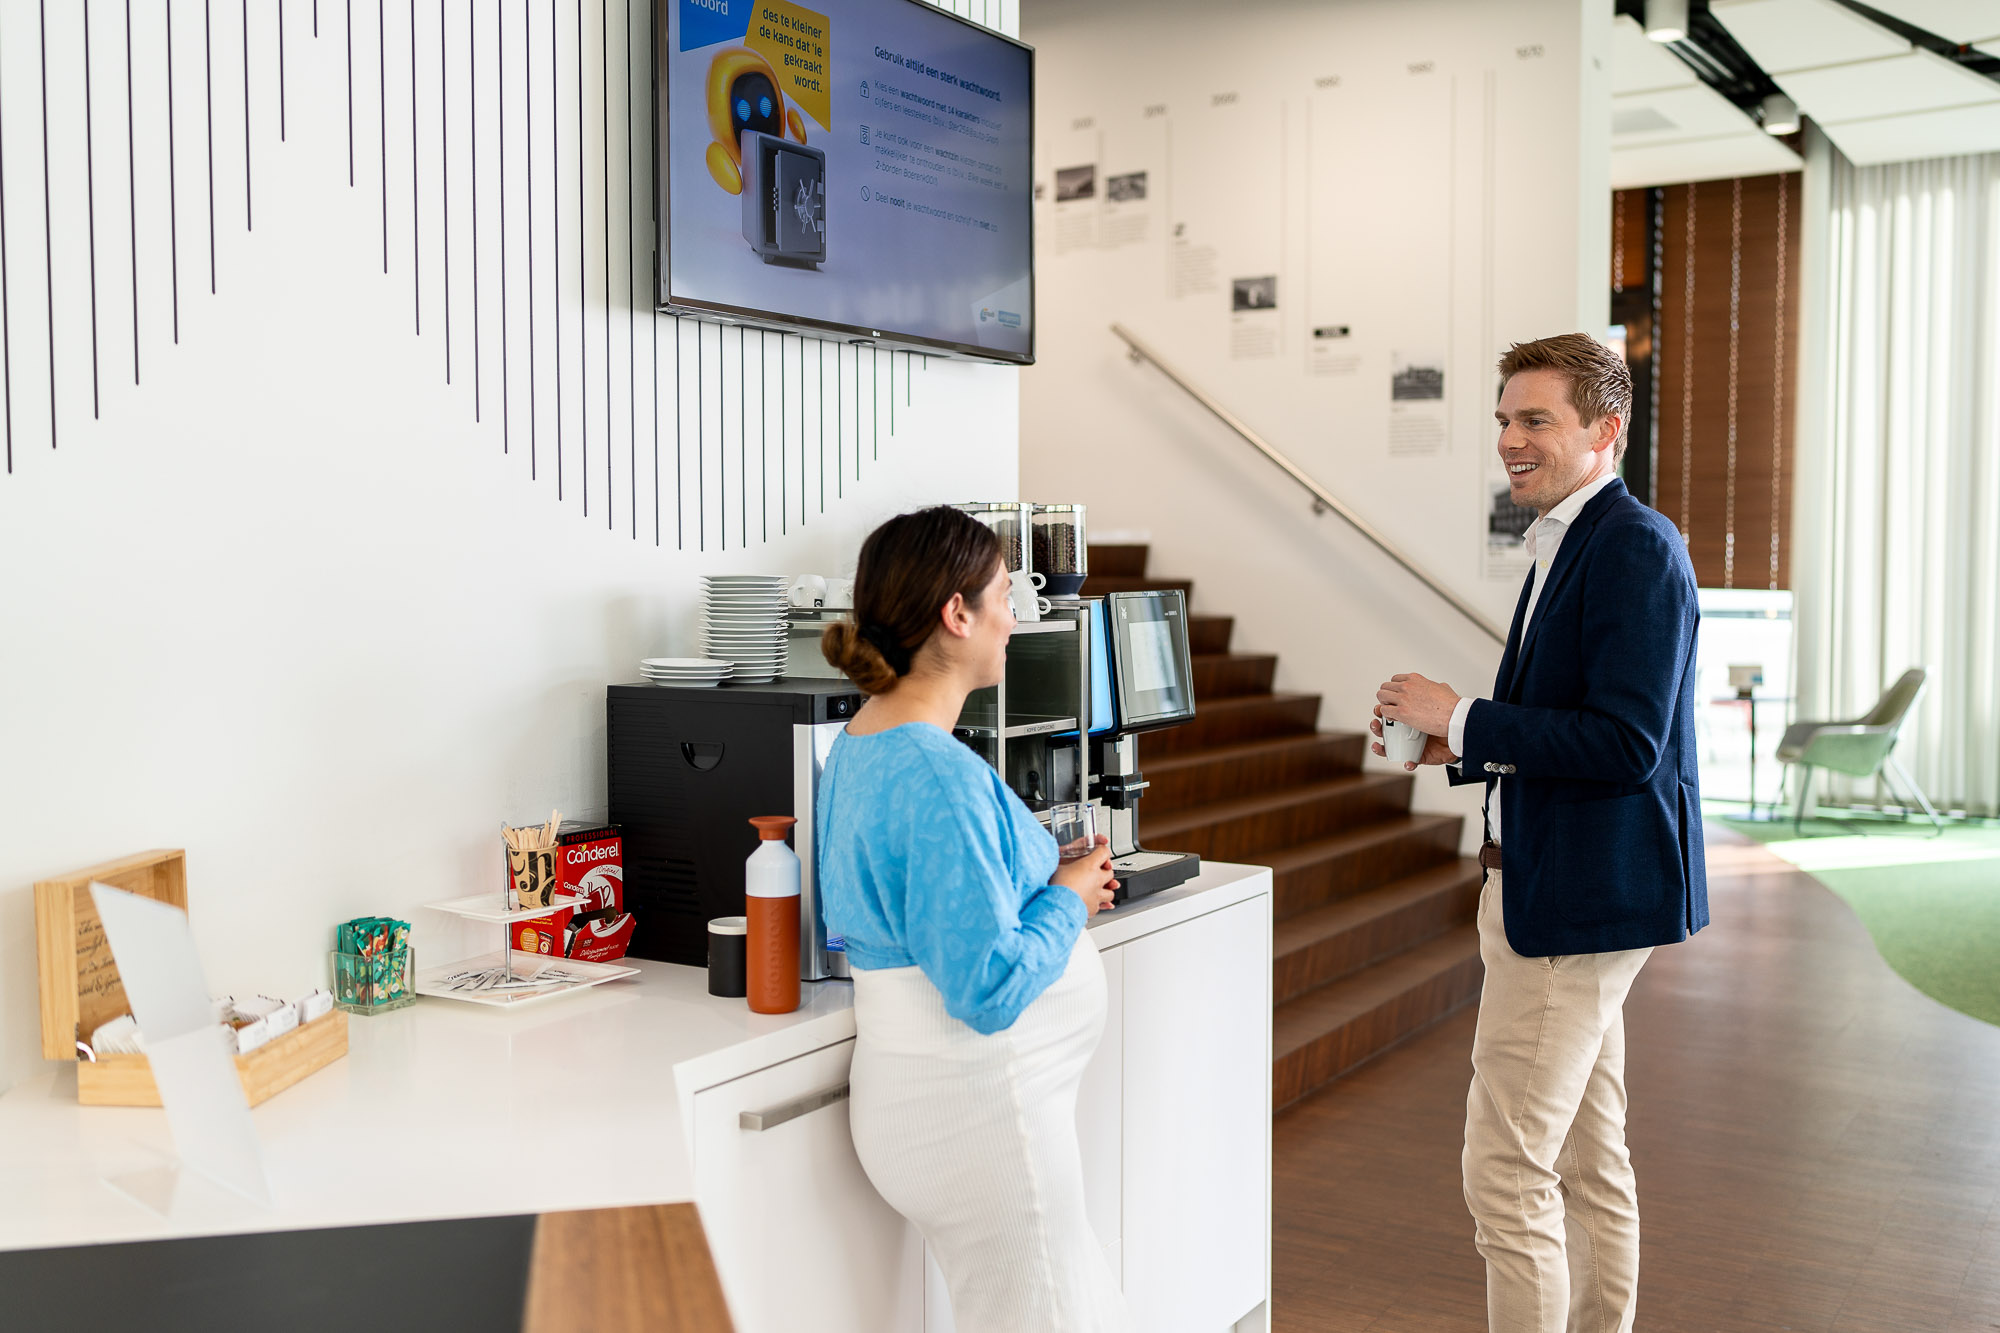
590	863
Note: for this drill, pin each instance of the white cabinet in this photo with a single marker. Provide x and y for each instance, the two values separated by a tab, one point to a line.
800	1238
1197	1120
1100	1117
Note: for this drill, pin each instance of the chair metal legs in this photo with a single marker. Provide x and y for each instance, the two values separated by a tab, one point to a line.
1889	765
1805	798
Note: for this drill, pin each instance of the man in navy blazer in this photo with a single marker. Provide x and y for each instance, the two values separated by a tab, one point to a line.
1587	752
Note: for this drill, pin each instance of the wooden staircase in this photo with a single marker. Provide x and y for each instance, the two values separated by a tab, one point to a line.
1374	936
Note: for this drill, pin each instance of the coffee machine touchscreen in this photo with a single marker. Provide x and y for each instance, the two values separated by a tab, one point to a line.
1150	650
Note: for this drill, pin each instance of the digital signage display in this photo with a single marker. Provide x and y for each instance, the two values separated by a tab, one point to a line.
862	167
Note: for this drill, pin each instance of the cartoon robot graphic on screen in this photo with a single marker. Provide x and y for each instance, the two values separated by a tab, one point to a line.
760	154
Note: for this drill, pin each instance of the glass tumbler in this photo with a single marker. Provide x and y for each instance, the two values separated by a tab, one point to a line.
1074	825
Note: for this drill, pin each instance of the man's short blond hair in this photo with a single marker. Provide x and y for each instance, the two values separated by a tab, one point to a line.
1600	383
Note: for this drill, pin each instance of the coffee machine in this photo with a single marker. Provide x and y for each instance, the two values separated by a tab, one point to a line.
1081	686
688	767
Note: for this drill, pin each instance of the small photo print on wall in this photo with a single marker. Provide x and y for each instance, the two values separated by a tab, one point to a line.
1253	323
1126	189
1073	183
1253	294
1416	383
1506	524
1418	419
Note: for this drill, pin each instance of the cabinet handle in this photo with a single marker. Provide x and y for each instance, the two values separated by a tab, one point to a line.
777	1115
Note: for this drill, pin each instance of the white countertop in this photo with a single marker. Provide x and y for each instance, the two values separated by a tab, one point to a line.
446	1109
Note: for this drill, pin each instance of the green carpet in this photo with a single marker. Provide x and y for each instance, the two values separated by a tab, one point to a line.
1931	904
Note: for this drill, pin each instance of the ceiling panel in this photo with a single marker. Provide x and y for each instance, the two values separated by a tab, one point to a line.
1919	135
1960	21
1678	113
1750	153
1914	81
1783	35
1638	62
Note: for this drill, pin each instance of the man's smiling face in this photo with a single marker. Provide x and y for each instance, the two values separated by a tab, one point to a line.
1547	451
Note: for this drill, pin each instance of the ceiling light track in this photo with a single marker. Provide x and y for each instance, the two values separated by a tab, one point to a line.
1967	57
1710	51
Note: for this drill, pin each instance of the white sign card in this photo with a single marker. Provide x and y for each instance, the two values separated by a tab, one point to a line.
191	1054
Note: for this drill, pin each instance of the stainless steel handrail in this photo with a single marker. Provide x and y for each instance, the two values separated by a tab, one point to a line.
1322	498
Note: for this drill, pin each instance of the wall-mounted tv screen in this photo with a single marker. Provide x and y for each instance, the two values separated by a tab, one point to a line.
861	167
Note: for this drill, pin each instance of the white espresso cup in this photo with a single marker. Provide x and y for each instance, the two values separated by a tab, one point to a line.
1403	743
808	591
1022	588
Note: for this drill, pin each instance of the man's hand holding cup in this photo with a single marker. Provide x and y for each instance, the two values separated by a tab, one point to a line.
1412	716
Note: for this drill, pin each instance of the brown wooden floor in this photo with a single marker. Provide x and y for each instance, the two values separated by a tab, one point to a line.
1817	1144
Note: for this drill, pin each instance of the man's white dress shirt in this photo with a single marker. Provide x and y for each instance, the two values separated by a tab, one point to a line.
1543	540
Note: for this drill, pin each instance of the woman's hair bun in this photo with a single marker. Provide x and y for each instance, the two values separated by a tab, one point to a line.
844	648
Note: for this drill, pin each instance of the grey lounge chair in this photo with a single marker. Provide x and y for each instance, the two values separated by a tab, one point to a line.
1863	748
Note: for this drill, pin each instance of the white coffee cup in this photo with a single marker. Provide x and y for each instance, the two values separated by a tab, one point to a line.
808	591
1021	589
840	594
1403	742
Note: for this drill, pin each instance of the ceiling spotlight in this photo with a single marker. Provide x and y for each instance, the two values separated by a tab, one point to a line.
1781	114
1667	20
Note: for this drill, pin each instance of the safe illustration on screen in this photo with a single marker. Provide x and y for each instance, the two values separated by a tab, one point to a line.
760	153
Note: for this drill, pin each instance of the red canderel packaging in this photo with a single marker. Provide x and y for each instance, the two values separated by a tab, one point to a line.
590	863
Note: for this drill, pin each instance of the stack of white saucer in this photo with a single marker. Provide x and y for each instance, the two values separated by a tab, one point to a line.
744	623
692	671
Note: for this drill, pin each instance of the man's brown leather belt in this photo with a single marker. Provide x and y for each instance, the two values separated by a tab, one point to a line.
1489	856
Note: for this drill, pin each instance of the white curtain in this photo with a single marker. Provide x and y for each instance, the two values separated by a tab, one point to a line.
1897	521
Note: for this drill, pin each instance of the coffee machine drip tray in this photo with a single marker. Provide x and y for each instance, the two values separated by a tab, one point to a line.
1142	873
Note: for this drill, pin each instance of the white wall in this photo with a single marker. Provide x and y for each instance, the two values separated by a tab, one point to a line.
284	602
1431	174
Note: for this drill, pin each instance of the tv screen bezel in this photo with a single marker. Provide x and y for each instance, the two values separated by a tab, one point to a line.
721	312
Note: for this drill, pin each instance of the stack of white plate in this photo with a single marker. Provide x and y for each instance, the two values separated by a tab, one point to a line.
743	623
695	671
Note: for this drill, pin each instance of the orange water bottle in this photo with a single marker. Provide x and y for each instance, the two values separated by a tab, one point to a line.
771	900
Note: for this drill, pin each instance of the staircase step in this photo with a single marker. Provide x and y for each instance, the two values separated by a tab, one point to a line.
1318	1036
1118	559
1255	826
1182	780
1334	941
1313	874
1102	585
1229	675
1231	721
1209	634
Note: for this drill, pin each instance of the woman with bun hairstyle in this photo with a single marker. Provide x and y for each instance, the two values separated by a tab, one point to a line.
978	997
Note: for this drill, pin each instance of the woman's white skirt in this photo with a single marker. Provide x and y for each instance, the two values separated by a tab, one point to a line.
973	1138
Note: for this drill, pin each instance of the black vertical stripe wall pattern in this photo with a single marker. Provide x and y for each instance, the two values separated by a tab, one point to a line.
545	152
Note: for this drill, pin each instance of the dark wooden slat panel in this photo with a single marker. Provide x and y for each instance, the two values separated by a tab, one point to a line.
1758	322
1630	264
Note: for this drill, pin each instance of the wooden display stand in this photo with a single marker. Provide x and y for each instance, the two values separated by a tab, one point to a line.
81	990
